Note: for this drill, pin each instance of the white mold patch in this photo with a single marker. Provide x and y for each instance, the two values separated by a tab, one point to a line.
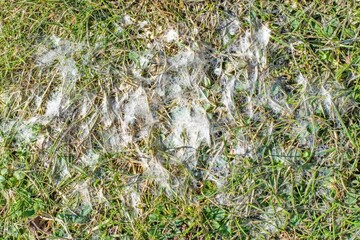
107	112
90	159
262	36
62	53
83	190
182	59
327	100
218	171
273	220
53	106
301	80
227	96
192	122
132	199
127	20
234	27
155	171
69	73
143	24
22	131
138	108
113	140
171	36
240	149
61	170
26	133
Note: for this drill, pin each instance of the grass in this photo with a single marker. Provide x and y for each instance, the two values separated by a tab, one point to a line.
115	157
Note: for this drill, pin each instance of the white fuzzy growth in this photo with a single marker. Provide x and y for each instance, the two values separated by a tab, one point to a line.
327	98
245	44
301	80
250	108
7	126
83	190
273	219
135	202
182	59
22	130
137	73
85	127
54	105
90	159
195	124
127	20
137	107
300	132
227	97
38	101
218	171
26	133
218	71
160	173
48	58
262	36
233	27
118	28
154	170
107	113
143	62
276	106
132	198
40	139
114	140
64	170
69	73
245	41
60	51
175	91
240	149
143	24
101	197
180	79
86	105
229	28
63	52
171	35
56	40
144	59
